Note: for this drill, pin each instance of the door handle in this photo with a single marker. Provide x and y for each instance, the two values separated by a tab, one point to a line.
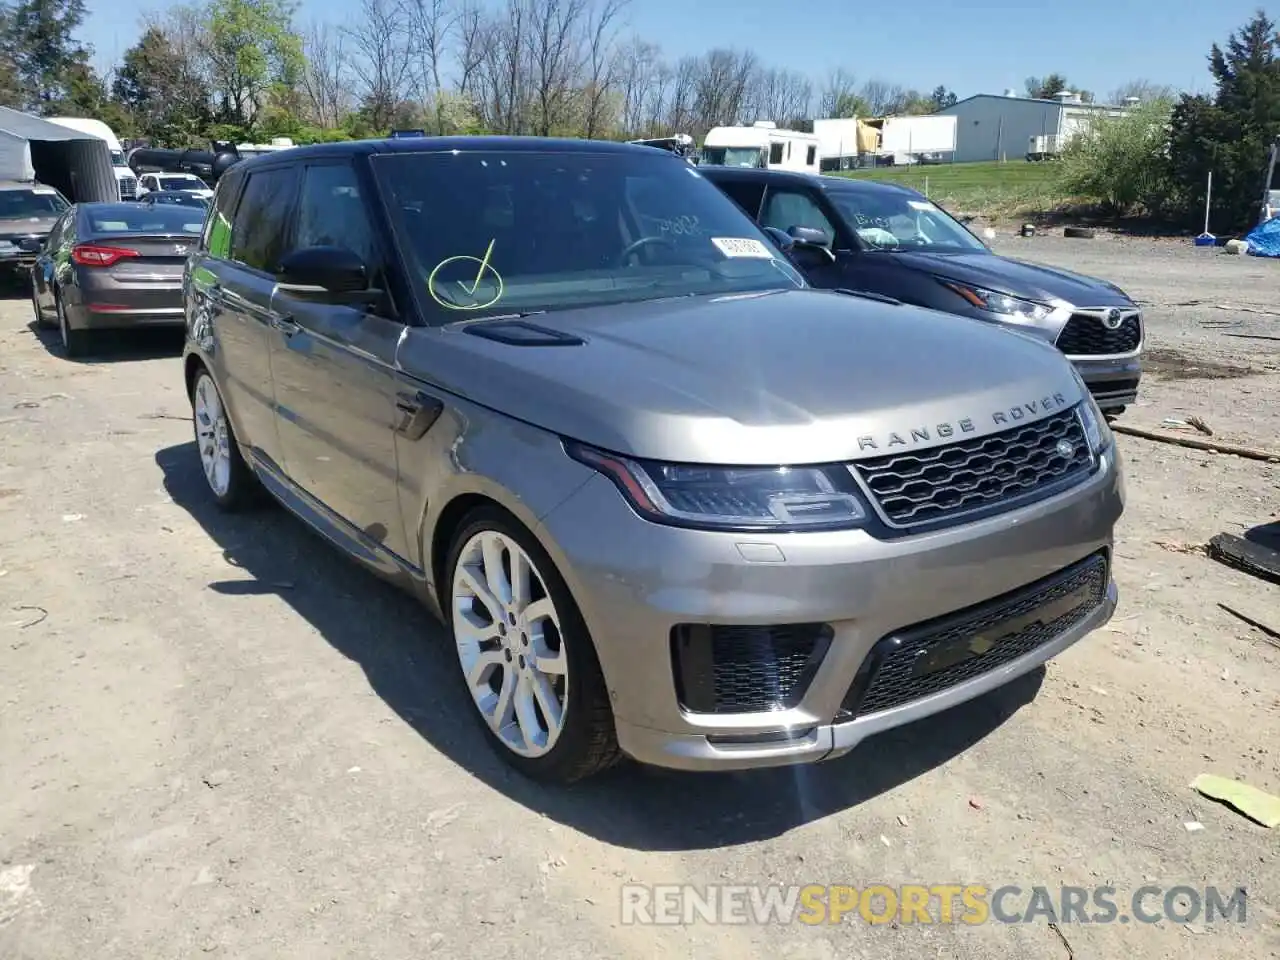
286	325
418	412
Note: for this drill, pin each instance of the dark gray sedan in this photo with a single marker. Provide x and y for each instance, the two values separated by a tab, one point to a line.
113	265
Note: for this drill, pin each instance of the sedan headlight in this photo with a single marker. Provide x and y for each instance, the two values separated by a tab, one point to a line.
732	498
1000	304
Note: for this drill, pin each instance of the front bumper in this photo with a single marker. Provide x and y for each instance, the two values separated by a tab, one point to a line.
1113	381
639	584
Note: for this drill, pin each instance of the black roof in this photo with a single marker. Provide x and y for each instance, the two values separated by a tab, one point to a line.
356	148
795	178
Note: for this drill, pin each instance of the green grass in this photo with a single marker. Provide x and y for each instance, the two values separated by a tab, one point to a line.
992	190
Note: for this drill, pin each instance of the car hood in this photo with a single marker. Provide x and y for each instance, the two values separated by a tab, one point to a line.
1017	278
27	226
795	377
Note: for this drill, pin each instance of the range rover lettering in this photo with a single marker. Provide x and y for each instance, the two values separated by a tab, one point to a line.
671	503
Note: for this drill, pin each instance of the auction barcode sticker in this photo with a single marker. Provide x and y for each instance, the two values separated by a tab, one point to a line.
742	247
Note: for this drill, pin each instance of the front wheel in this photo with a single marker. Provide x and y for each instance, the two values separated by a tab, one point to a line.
230	480
526	657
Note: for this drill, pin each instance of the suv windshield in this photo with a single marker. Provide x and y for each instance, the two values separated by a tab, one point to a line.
733	156
181	183
888	220
34	202
117	158
120	219
492	233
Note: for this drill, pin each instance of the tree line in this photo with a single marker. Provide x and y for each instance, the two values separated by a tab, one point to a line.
248	70
1156	161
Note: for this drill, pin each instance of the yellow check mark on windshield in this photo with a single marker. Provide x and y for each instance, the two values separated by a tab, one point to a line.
484	265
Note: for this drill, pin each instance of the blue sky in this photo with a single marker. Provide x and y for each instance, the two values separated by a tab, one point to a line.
981	46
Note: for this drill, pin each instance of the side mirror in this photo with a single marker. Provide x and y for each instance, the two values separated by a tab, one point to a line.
812	244
322	270
783	239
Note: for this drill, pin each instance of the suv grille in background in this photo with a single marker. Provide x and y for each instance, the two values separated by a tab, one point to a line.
925	486
942	653
128	188
1086	336
745	669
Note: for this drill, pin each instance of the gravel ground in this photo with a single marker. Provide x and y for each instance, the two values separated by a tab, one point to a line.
220	738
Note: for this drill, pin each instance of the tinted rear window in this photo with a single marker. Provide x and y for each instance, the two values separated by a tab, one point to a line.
35	202
113	220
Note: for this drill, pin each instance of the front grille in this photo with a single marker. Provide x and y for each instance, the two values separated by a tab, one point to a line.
128	188
745	669
929	486
1086	336
934	656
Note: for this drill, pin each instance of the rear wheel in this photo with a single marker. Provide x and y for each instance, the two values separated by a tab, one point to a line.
75	343
230	480
526	657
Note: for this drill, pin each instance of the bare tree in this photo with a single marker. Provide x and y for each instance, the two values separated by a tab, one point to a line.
504	74
381	60
1145	90
783	96
554	59
602	65
722	85
681	107
639	63
472	30
882	98
431	21
326	75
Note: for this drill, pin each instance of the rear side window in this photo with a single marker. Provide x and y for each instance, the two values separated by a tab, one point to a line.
745	194
260	230
775	153
217	228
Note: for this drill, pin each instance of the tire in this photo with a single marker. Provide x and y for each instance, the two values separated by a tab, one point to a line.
41	319
491	655
1079	233
232	483
75	343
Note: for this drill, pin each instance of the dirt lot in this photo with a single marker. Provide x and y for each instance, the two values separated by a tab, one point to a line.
217	737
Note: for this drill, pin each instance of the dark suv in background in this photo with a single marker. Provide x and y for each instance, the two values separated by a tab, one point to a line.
887	239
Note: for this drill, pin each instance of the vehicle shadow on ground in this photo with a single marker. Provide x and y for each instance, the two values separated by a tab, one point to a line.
411	665
116	346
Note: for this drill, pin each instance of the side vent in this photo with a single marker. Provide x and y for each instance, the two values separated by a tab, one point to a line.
517	333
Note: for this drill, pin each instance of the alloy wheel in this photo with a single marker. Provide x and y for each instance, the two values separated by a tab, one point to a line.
212	435
507	632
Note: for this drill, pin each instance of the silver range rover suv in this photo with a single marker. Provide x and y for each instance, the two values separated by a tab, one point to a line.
670	502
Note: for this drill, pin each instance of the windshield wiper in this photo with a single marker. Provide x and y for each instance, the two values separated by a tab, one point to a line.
868	295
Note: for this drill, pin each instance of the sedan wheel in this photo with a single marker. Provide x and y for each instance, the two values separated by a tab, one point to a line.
229	478
525	654
75	343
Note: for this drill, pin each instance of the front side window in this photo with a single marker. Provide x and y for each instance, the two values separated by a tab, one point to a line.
331	213
34	202
887	221
181	183
792	208
493	233
259	233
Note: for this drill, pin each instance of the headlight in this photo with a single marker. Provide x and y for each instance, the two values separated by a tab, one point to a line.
1096	431
999	303
732	498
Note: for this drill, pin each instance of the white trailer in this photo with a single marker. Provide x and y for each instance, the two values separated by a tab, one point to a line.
126	179
912	139
837	142
761	145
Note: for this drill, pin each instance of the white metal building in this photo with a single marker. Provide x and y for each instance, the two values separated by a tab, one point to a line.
992	127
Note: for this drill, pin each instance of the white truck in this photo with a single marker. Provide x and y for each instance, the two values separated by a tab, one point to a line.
126	179
761	145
